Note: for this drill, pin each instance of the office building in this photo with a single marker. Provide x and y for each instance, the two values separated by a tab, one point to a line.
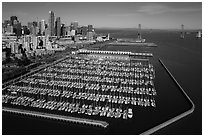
30	24
7	22
12	19
73	32
62	30
79	31
25	30
9	29
51	29
39	27
90	28
17	29
67	30
84	30
74	25
90	36
42	29
58	27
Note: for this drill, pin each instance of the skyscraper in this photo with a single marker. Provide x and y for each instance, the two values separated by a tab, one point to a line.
58	27
42	27
39	27
51	21
62	29
34	28
30	24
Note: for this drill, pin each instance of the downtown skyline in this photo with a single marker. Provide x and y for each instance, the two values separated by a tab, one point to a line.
112	15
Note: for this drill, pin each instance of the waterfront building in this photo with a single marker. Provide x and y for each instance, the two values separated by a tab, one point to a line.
51	29
58	27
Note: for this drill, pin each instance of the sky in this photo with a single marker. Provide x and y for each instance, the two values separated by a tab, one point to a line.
152	15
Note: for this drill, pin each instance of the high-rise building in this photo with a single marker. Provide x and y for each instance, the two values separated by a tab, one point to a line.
7	22
34	28
39	27
62	30
67	30
9	29
74	25
12	18
42	29
25	30
17	29
35	23
79	30
90	28
30	24
89	35
58	27
51	29
84	30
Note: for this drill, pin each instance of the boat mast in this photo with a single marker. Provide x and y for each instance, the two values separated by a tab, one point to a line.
139	32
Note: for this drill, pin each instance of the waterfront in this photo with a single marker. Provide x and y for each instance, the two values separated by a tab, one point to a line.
177	54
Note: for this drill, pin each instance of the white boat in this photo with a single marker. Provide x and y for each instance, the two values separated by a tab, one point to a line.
140	40
199	34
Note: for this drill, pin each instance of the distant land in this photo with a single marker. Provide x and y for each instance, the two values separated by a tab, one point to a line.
144	29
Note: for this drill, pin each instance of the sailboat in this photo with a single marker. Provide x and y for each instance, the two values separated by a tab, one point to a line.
139	38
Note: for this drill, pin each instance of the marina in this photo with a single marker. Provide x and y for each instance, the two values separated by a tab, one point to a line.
107	68
88	84
99	86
